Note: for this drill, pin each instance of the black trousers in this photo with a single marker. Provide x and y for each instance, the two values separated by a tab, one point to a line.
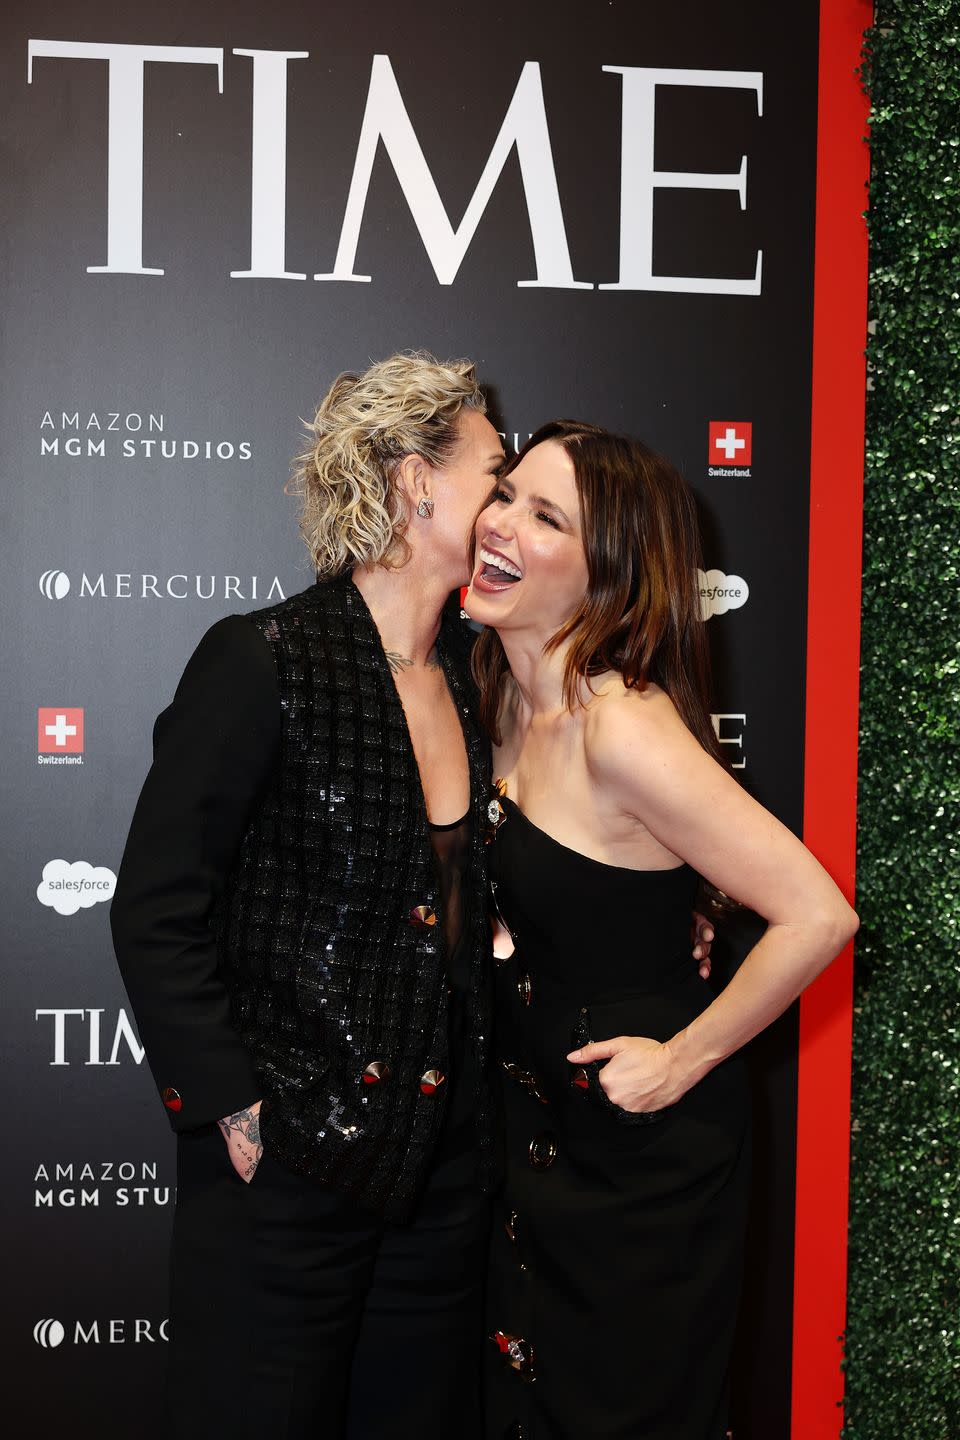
295	1314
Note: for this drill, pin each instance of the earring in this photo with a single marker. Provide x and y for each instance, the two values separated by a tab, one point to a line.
425	507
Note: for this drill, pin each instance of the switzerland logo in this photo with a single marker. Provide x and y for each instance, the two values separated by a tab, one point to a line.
731	442
59	731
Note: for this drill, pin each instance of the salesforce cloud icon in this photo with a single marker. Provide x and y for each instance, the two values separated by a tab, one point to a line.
67	887
720	593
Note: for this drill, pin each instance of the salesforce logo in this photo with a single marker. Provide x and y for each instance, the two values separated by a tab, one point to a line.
55	584
720	593
68	888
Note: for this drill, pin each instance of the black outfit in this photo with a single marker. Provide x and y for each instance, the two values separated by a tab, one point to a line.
452	845
289	928
276	911
617	1257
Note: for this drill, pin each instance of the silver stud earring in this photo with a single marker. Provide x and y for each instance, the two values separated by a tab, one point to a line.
425	508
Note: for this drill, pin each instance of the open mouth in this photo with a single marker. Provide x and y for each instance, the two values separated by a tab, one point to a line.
496	572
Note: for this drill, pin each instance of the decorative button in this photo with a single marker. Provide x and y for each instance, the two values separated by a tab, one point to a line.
524	1078
495	811
171	1098
511	1226
422	915
517	1353
542	1152
525	989
580	1078
375	1072
431	1080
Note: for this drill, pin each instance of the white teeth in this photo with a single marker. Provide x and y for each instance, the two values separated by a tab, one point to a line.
488	558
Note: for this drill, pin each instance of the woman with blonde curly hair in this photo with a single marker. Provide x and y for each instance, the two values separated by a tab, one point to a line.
300	920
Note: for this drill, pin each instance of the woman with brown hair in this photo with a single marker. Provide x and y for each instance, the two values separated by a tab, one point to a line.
616	1265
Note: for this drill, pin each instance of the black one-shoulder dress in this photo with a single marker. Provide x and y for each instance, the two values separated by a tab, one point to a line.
618	1246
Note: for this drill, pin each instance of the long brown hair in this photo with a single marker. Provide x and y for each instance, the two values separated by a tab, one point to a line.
640	614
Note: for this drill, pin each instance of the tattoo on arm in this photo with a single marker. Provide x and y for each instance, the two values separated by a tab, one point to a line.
245	1125
397	661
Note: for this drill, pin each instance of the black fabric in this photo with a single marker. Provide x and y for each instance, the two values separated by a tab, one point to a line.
618	1261
298	1316
268	911
452	846
215	751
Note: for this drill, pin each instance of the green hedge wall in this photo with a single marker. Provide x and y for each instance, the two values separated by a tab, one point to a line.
903	1340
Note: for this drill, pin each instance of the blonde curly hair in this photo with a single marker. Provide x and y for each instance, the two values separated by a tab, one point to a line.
352	512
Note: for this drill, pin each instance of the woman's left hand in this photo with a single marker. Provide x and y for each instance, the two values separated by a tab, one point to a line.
640	1074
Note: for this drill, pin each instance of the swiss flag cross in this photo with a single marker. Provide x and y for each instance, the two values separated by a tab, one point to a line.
731	442
59	731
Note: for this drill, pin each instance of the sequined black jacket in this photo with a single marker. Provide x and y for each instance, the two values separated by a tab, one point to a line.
276	915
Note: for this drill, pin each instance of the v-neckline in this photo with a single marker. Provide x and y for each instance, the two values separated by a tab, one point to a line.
395	698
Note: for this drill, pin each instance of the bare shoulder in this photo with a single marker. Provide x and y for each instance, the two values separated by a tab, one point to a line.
634	732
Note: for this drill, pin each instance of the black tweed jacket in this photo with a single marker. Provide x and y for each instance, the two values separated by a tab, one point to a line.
316	976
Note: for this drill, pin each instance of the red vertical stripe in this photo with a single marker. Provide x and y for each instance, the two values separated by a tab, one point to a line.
833	647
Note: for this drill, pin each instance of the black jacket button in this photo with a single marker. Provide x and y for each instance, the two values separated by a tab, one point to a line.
542	1152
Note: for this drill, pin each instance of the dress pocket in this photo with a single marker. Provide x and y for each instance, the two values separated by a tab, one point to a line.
583	1035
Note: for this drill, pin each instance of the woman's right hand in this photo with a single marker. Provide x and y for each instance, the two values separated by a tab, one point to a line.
703	937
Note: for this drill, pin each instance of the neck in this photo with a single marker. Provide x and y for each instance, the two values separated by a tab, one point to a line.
537	676
406	605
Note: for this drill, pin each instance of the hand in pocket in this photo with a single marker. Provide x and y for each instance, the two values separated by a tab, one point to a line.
638	1074
241	1131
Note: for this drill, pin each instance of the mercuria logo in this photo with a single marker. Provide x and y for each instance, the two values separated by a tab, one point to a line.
54	584
124	585
49	1333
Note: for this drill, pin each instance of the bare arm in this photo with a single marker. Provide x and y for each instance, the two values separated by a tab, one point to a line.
642	751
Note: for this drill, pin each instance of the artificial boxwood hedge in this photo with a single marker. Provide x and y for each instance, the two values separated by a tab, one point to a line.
903	1336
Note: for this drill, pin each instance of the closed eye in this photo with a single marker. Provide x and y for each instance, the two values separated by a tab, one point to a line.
548	519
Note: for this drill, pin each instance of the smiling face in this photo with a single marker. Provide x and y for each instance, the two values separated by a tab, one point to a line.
458	491
530	569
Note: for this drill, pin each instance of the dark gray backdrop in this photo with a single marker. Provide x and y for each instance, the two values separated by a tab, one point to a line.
230	360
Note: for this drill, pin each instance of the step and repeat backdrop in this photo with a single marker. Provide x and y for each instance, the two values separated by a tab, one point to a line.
209	212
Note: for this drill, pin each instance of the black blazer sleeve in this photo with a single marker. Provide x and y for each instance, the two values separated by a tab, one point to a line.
214	750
